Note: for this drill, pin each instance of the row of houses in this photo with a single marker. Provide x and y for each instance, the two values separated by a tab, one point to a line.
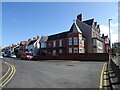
116	46
82	37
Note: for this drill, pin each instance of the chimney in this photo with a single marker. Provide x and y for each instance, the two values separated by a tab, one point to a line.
38	37
29	39
79	17
34	38
103	35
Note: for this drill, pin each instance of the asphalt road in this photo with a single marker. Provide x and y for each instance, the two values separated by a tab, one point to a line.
55	74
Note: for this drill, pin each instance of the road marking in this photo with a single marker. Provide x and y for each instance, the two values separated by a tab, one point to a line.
6	72
105	82
10	76
101	77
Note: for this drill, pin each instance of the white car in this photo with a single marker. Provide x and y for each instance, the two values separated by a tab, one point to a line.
13	56
1	56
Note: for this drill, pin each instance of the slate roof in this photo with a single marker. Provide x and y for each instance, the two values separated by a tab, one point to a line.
89	22
58	36
64	34
32	42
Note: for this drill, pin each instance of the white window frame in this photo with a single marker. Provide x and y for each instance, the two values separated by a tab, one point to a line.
70	50
75	50
70	41
54	43
60	42
75	40
54	52
80	42
60	51
43	45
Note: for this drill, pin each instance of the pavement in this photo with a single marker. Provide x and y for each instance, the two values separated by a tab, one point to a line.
113	76
55	74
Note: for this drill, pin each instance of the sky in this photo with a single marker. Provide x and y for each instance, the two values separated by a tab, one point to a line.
24	20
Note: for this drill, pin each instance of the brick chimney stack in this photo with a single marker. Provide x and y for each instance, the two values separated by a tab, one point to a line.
34	38
29	39
38	37
79	17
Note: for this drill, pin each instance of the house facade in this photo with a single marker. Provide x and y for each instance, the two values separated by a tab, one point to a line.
83	37
67	42
117	46
22	47
91	32
106	42
33	46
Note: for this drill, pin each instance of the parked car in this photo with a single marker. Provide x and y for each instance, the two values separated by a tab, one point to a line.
1	55
27	56
13	56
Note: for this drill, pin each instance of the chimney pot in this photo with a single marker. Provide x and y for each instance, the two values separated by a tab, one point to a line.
79	17
29	39
38	37
34	38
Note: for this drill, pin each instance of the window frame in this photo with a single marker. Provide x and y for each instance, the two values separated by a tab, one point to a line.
75	50
70	50
75	40
70	41
54	43
60	42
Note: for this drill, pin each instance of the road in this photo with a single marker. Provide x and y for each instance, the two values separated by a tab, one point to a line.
55	74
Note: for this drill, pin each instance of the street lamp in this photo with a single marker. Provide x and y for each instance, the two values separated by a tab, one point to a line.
110	35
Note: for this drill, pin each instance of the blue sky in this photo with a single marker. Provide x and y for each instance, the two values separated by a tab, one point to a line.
24	20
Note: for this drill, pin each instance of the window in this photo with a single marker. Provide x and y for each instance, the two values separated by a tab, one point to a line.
70	41
80	41
60	43
75	50
81	50
54	44
75	41
54	52
60	51
70	50
94	42
49	44
83	42
43	45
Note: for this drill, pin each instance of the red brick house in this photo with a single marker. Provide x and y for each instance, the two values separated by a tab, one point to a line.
106	42
67	42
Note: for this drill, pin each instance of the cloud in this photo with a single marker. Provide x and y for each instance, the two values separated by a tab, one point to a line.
114	31
104	29
114	27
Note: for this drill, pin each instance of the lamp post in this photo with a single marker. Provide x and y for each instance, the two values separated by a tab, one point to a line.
109	36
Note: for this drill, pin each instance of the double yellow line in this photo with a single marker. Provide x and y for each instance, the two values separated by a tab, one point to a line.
8	75
103	77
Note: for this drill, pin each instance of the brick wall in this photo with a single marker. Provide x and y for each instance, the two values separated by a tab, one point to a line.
78	57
